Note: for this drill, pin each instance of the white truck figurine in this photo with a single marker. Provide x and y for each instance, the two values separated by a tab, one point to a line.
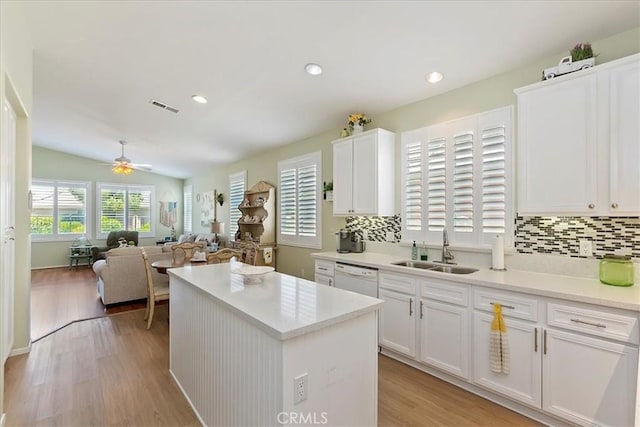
566	65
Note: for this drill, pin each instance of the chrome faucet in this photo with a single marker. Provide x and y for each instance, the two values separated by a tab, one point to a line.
447	256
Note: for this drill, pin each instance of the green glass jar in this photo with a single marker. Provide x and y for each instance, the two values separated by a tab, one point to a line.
616	270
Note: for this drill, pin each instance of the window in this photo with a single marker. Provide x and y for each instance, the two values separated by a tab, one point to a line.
237	187
457	175
125	207
59	210
299	213
187	213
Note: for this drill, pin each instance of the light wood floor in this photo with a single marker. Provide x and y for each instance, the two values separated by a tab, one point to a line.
112	371
63	295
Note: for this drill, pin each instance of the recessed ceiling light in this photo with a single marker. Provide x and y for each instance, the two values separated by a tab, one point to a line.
434	77
199	99
313	69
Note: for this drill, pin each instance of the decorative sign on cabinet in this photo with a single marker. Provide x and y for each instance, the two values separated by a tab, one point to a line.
363	174
578	148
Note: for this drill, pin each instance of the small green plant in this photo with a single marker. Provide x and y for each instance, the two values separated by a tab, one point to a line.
581	51
220	199
328	186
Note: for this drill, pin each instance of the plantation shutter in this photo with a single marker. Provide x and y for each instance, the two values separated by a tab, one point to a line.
112	209
71	203
463	182
493	180
299	200
288	205
187	212
413	187
138	209
42	210
237	187
436	184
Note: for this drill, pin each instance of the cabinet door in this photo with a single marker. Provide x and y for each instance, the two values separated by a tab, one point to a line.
557	148
365	170
523	381
444	337
588	380
342	177
624	134
398	322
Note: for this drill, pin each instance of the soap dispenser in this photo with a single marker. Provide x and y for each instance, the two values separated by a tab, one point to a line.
414	251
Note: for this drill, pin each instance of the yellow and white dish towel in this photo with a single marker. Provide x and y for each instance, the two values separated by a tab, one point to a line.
499	344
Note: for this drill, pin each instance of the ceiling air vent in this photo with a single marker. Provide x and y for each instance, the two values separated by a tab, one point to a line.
163	106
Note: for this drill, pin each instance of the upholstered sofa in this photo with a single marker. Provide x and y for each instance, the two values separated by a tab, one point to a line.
122	277
99	252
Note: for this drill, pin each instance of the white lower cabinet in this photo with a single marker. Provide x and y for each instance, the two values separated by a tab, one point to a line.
444	337
589	380
523	382
398	322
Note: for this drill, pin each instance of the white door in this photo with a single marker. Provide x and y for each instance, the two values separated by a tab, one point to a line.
589	381
624	134
444	337
7	217
342	178
523	382
365	169
398	322
557	148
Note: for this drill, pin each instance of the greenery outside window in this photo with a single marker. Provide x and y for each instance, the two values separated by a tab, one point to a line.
59	210
125	207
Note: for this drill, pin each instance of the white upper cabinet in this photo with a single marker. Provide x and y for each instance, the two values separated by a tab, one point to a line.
363	174
577	148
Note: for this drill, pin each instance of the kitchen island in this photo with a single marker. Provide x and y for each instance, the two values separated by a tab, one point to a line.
237	349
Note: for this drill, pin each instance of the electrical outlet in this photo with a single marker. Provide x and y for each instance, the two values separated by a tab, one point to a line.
586	248
300	388
391	237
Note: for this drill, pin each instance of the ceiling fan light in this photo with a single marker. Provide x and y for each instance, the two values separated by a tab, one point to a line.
122	169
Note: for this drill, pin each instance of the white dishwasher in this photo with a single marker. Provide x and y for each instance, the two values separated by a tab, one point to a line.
355	278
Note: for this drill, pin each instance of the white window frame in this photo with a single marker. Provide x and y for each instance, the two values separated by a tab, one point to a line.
127	188
474	125
310	159
235	200
88	213
187	209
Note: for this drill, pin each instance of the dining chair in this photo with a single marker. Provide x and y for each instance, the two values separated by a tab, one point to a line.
154	293
249	253
223	256
183	252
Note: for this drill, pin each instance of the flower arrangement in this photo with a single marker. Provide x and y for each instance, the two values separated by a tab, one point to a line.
358	119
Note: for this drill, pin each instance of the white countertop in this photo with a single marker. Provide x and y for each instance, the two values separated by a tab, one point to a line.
579	289
283	306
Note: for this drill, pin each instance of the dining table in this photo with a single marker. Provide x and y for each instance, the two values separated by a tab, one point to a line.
164	264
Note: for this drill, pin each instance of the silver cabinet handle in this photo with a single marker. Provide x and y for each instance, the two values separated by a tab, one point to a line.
505	306
535	340
591	206
410	307
421	305
614	205
597	325
544	344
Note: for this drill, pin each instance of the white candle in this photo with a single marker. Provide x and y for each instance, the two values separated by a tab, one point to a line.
497	253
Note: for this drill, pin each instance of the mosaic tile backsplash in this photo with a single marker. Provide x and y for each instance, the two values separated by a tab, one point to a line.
537	235
376	226
560	235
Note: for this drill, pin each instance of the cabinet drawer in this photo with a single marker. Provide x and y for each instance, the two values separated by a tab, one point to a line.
513	305
397	282
595	322
445	292
324	268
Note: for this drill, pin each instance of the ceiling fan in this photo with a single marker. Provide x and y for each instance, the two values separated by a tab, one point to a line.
123	166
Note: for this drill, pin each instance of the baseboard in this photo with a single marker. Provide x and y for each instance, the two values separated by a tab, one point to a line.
186	396
52	266
22	350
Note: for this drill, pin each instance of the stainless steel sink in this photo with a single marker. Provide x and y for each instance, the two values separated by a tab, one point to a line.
431	266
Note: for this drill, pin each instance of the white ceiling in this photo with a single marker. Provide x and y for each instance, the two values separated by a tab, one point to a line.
97	65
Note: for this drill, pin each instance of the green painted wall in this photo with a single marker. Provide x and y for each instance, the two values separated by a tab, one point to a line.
485	95
50	164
